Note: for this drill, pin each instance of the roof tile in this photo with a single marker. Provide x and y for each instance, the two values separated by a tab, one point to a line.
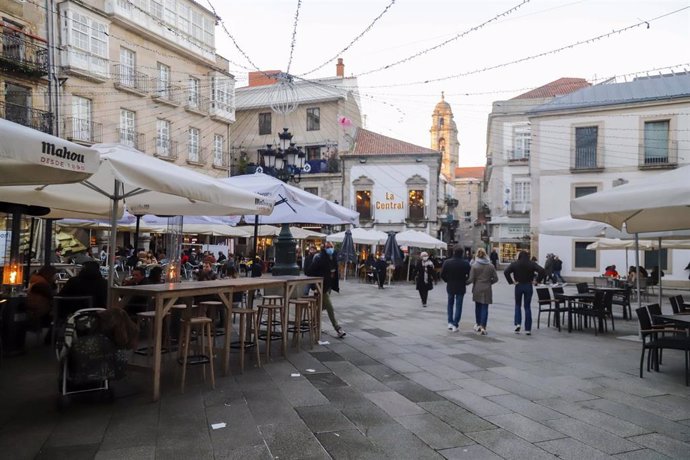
371	143
555	88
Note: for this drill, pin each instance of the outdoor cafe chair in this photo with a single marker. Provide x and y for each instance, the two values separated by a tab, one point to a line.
599	311
546	305
677	305
582	288
622	298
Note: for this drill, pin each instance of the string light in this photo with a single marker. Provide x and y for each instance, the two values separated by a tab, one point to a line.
294	36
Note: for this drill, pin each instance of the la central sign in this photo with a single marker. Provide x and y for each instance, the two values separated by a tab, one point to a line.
390	203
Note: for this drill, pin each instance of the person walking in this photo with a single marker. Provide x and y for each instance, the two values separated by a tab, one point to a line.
494	258
482	277
455	272
557	267
323	264
523	273
381	266
424	280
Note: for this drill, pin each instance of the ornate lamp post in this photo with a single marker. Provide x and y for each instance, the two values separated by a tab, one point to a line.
285	162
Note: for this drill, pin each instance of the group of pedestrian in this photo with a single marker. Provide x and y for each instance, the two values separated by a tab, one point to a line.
552	269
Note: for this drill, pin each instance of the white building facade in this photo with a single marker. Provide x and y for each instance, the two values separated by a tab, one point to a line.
598	138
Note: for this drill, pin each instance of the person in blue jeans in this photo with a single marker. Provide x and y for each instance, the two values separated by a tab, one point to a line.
482	276
523	273
455	272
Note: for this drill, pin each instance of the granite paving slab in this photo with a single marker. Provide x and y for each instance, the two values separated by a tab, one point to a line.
321	419
592	436
344	396
293	441
475	404
478	360
379	332
457	417
508	445
349	444
433	431
663	444
525	407
325	380
72	452
394	404
525	428
471	452
572	449
398	443
413	391
127	453
324	356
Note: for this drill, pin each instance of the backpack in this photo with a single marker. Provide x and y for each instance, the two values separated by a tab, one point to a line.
313	268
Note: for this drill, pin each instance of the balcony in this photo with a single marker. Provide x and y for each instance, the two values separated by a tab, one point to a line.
221	160
128	79
659	158
82	131
167	94
196	155
166	149
587	160
22	53
33	118
196	104
132	138
517	157
221	111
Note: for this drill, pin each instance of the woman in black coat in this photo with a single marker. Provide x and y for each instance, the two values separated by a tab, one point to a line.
424	280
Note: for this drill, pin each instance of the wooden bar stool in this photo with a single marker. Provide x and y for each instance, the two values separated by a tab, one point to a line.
204	324
210	309
146	319
303	322
270	305
248	316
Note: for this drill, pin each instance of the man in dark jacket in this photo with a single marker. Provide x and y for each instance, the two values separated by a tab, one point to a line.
523	273
455	272
381	266
324	265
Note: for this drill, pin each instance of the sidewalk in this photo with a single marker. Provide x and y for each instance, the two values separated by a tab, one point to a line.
399	386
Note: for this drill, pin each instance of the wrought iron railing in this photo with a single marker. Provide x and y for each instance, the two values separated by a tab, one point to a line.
132	138
221	159
196	103
166	148
658	156
27	116
196	154
127	77
21	52
80	130
166	92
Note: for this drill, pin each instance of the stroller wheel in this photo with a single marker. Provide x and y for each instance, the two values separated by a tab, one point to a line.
62	403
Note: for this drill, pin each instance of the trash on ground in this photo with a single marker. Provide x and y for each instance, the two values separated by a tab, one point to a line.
218	426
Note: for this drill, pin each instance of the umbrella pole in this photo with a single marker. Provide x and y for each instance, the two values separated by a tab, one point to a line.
31	245
48	243
659	262
136	234
113	239
637	269
256	233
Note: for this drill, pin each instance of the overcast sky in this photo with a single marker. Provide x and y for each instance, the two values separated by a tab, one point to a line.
263	30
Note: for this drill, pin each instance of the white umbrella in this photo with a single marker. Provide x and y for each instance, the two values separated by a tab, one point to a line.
656	203
304	234
419	239
605	244
29	156
567	226
360	236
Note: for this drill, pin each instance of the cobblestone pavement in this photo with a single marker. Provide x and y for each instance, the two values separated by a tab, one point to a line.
399	386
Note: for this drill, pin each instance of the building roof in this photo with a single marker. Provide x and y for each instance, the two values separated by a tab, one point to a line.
371	143
306	92
443	106
469	172
643	89
555	88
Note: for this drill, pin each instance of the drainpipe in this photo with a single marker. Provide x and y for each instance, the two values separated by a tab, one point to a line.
49	30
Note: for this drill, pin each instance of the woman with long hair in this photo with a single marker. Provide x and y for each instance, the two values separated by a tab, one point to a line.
482	277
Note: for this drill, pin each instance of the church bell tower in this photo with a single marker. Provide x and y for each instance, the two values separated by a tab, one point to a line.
444	137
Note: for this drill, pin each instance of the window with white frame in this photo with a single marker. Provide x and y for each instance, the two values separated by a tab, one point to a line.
193	148
183	18
222	90
163	81
467	216
157	9
656	142
522	196
163	144
415	204
522	139
89	36
128	134
363	206
81	119
586	140
197	26
193	93
313	119
218	150
170	13
128	62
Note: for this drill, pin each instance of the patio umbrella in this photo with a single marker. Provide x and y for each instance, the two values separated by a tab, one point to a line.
391	250
360	236
31	157
347	253
659	202
419	239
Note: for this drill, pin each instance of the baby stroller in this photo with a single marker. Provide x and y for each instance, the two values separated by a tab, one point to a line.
88	359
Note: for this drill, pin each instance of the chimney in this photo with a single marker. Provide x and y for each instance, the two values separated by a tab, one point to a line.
340	68
262	78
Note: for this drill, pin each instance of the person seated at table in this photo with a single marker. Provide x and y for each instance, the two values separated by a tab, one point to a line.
88	283
257	267
206	273
137	303
155	275
611	272
151	259
193	257
221	257
655	276
39	299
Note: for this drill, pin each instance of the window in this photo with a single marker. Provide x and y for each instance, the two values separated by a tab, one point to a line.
584	258
440	122
128	135
586	147
522	196
313	152
85	42
193	94
128	60
467	216
656	142
170	14
651	259
157	8
415	202
183	18
363	206
265	123
312	190
522	139
163	81
218	150
313	119
163	138
81	118
584	190
197	26
222	93
193	145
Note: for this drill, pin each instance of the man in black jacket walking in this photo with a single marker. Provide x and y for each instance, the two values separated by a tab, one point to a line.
523	273
455	272
325	265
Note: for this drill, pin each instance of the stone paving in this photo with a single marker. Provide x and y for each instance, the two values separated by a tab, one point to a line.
399	386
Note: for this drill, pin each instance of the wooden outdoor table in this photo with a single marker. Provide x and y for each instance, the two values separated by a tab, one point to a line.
681	320
166	295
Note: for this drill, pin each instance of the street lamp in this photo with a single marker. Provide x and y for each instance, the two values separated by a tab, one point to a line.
285	163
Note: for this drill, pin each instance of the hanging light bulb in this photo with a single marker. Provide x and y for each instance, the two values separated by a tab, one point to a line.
283	97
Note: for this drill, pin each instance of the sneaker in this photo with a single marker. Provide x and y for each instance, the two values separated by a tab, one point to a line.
528	332
423	305
341	333
517	329
482	331
476	328
454	329
450	326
